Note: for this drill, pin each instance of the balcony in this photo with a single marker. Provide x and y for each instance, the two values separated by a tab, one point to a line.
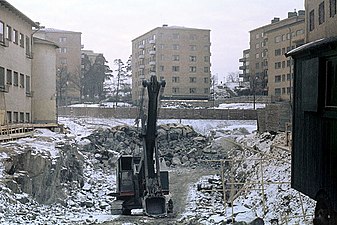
152	41
242	60
152	52
141	46
242	67
141	57
142	66
152	73
152	63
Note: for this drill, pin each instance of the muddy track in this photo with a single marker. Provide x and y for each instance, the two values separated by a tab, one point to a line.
180	181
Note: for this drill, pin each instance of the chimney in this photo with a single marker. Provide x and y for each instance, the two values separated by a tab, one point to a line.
165	25
292	14
301	12
276	19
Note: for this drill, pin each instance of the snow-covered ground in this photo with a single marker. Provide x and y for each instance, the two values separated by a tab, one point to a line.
209	207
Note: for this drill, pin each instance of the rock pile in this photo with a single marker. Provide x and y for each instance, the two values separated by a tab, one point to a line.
178	145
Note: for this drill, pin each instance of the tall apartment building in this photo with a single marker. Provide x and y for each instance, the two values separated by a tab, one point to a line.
179	55
26	79
244	76
321	19
270	71
68	63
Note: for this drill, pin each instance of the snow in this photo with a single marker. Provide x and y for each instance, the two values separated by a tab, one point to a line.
45	142
241	106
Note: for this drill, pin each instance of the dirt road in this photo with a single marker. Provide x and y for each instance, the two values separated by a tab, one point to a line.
180	181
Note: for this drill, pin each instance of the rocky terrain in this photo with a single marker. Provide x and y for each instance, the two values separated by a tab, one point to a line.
55	178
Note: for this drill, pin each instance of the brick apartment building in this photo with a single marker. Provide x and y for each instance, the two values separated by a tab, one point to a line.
179	55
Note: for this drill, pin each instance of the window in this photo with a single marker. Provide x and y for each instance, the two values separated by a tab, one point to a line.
277	78
175	36
283	64
63	50
193	47
206	59
206	80
283	77
15	36
27	45
22	117
257	45
161	68
331	81
176	58
321	13
62	39
27	117
175	79
22	40
15	117
206	91
193	90
277	52
283	90
2	31
193	69
193	79
278	39
257	36
332	8
175	68
193	58
277	91
175	90
299	32
9	117
312	20
9	33
175	47
2	78
206	69
16	79
257	55
193	36
9	77
27	84
257	65
22	80
63	61
277	65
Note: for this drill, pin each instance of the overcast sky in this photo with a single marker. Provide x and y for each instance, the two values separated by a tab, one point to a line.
109	26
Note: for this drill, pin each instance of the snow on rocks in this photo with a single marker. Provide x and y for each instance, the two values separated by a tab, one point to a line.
258	181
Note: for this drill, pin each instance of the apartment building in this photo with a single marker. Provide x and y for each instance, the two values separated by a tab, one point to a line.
321	19
18	78
270	71
179	55
68	61
244	76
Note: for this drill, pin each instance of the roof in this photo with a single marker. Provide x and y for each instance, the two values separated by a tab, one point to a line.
5	4
313	46
53	30
44	41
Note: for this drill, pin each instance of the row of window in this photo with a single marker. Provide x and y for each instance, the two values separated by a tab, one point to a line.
192	80
287	36
282	78
18	117
176	90
321	13
9	77
283	64
279	52
7	33
281	91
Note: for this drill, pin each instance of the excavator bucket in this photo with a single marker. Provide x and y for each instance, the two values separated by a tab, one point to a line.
155	206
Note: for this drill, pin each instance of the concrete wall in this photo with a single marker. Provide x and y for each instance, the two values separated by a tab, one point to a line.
44	83
164	113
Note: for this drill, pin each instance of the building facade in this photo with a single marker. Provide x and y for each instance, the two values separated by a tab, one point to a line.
270	71
178	55
321	19
68	63
244	76
17	75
